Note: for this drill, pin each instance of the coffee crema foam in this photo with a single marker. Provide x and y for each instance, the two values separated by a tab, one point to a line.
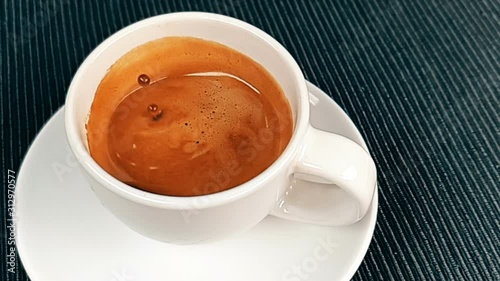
182	116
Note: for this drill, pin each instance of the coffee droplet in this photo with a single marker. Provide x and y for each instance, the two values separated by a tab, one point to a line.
152	107
143	80
154	111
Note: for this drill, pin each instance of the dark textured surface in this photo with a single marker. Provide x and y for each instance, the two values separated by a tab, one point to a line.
419	78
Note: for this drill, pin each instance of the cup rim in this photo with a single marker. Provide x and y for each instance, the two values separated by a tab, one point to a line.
173	202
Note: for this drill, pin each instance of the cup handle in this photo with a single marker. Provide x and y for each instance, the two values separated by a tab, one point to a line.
341	172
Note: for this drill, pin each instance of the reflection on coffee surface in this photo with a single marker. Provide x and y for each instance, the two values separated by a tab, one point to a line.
182	116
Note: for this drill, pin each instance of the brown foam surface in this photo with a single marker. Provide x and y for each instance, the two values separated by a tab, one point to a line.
209	121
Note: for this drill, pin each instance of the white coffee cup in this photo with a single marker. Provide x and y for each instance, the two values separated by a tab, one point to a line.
311	154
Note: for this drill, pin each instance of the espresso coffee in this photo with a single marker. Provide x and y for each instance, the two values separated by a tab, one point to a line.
182	116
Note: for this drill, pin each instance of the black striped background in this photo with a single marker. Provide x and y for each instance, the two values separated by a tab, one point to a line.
419	78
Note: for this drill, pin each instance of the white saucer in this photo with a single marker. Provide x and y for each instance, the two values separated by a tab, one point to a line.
64	233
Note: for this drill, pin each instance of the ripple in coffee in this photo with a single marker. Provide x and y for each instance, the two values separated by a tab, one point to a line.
182	116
